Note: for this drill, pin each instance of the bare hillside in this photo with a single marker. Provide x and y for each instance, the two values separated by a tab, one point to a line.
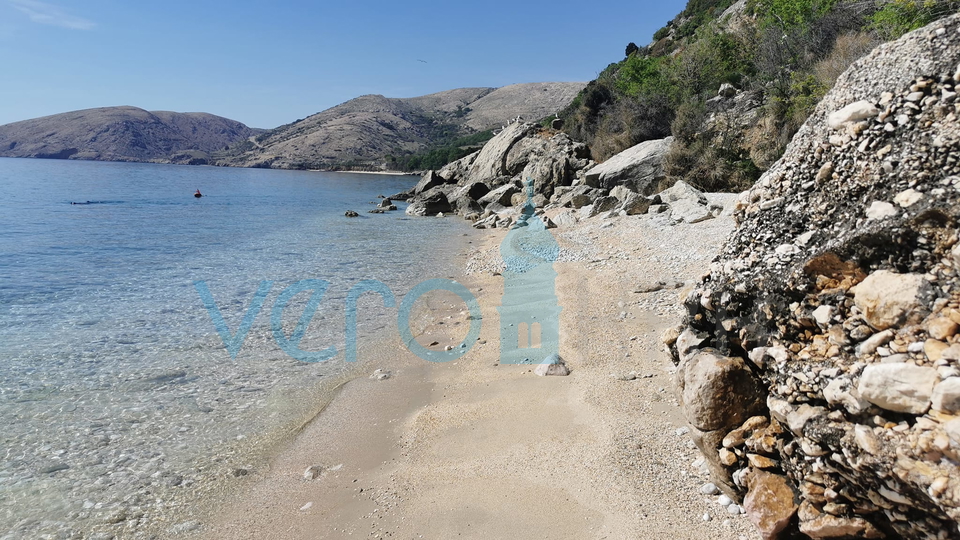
363	131
122	134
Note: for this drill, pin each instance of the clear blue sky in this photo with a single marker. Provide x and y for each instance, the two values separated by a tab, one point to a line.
269	63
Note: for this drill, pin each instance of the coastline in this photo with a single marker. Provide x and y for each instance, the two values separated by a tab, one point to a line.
382	173
492	451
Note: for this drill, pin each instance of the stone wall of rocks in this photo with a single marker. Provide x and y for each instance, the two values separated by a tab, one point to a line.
819	361
486	186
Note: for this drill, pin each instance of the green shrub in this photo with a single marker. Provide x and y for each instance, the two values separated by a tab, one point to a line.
640	75
787	14
897	17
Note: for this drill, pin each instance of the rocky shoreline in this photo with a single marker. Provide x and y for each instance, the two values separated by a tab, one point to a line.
818	362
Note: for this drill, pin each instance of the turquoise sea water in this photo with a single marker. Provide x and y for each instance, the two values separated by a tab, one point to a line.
117	396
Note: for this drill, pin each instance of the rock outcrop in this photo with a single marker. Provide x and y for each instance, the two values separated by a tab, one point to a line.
837	303
486	185
639	167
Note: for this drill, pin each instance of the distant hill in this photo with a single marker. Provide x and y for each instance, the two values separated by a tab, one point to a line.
123	134
368	130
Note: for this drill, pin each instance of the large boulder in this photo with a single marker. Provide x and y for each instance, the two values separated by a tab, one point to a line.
430	203
429	180
718	392
491	162
578	197
836	289
502	195
456	171
687	203
639	167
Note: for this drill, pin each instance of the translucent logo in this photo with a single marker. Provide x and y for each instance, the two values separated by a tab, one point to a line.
529	314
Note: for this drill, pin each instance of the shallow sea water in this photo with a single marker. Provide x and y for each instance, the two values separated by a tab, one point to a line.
119	402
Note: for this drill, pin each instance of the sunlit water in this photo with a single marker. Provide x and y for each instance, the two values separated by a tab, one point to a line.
118	398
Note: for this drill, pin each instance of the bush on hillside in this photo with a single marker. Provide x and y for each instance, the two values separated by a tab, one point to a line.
788	53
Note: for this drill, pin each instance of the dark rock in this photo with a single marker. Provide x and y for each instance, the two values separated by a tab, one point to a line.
429	203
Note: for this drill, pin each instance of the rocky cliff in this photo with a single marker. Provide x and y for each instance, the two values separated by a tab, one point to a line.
819	363
363	131
122	134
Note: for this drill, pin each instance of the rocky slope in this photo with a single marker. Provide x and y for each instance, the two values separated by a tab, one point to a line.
819	363
487	187
122	134
364	130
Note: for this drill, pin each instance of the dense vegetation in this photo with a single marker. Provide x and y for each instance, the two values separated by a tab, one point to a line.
781	55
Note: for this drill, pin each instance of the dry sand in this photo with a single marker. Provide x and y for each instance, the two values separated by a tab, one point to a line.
474	449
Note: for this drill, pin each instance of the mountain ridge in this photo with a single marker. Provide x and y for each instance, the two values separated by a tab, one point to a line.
123	133
369	130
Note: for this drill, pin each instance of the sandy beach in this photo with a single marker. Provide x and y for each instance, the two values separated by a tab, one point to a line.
475	449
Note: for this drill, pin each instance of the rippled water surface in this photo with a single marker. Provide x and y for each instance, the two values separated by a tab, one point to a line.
118	398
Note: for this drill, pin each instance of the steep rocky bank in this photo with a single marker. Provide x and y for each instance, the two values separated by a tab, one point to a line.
819	361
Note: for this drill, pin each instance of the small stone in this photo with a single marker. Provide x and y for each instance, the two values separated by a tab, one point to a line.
823	315
854	112
313	472
717	392
881	210
770	503
946	396
669	336
942	328
723	500
898	387
709	489
380	375
866	439
908	198
939	486
887	298
351	213
184	527
727	458
827	526
734	509
52	468
306	506
825	172
874	342
914	96
934	349
761	462
552	365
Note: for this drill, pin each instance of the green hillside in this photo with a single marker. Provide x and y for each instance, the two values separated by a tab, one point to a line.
781	57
